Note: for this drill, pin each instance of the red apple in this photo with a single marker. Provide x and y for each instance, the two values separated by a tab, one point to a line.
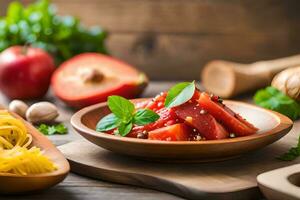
25	72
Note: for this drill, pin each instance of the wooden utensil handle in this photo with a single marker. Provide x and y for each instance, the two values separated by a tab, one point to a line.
277	65
228	79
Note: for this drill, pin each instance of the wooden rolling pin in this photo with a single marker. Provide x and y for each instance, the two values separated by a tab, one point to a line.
228	79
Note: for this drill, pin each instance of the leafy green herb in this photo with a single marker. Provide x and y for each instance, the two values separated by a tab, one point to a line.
144	116
53	129
107	123
121	107
273	99
292	154
179	94
124	116
124	129
39	25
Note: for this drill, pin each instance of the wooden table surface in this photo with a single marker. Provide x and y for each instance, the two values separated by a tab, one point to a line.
81	188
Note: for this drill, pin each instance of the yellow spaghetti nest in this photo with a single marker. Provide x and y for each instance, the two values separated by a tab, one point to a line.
15	157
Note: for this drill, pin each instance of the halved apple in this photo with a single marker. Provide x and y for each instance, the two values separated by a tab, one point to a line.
90	78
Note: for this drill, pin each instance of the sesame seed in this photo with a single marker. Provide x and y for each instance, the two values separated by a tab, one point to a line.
202	112
198	137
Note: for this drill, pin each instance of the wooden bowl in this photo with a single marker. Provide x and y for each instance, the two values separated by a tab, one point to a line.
16	184
272	126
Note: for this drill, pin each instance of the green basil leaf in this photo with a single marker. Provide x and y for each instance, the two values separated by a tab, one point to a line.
273	99
121	107
180	94
145	116
107	123
124	129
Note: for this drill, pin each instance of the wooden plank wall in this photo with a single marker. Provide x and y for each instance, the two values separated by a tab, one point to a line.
173	39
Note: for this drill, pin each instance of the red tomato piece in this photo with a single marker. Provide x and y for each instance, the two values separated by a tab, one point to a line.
176	132
167	118
141	104
232	121
157	102
198	118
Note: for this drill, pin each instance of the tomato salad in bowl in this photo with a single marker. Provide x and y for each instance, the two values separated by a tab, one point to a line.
184	113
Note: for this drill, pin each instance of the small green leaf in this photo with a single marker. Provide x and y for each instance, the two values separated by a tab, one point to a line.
43	128
292	154
124	129
121	107
180	94
107	123
51	130
145	116
61	129
14	12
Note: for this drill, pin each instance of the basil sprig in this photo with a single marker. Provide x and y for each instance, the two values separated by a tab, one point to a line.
179	94
124	116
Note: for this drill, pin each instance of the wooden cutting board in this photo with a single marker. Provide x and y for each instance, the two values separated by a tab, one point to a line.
232	179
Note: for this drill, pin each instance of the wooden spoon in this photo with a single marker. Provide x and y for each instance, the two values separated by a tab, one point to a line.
227	79
13	184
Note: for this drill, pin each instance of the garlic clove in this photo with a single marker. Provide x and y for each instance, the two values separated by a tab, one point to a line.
19	107
288	82
42	112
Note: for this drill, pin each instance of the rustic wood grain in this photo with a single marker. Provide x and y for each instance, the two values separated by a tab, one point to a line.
80	188
171	35
178	57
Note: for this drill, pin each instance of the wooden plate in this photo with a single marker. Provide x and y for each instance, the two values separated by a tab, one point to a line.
272	126
14	184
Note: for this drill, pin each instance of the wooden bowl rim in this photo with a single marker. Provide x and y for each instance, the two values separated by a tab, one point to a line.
283	123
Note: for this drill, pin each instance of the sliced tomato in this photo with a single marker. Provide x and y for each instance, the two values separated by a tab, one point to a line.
157	102
232	121
176	132
167	118
90	78
196	117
